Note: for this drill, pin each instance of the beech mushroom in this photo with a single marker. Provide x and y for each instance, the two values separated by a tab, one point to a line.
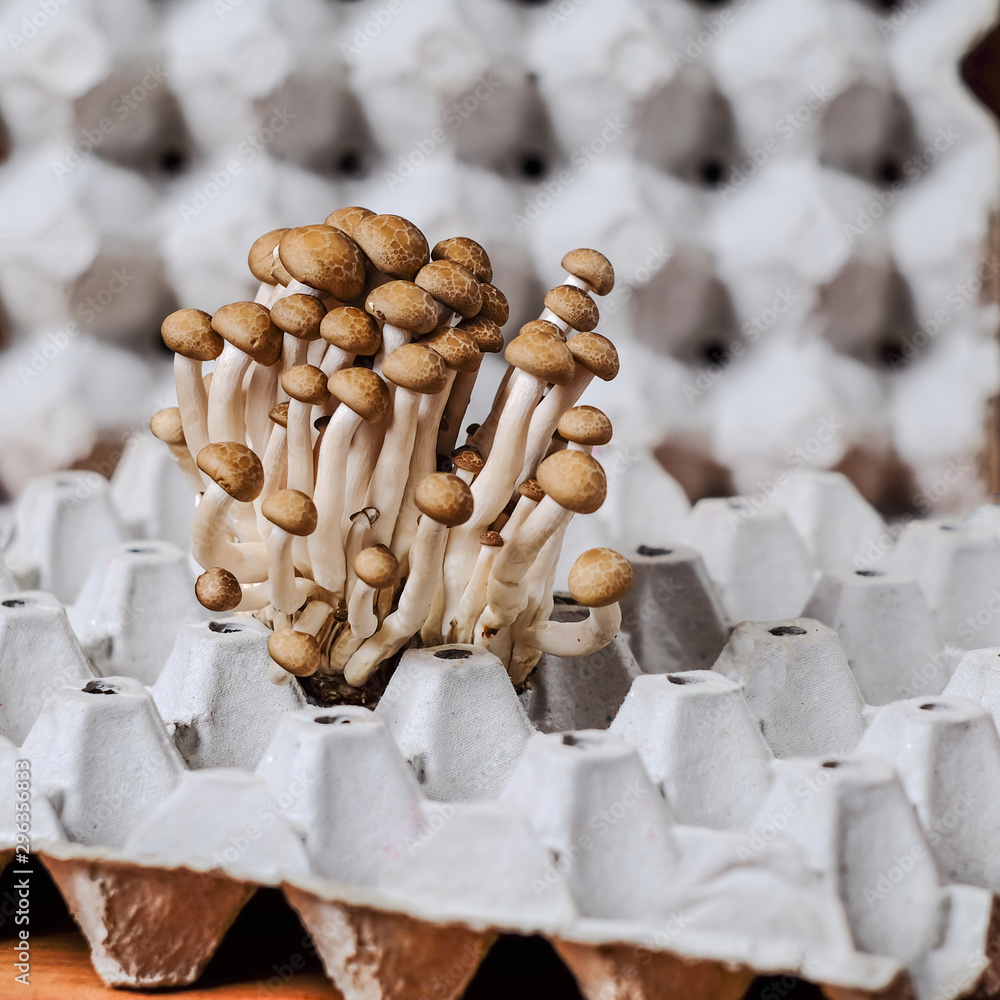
445	501
347	219
348	331
323	259
599	579
295	651
466	252
453	286
218	590
585	427
377	569
589	270
189	334
364	397
306	388
260	260
293	515
236	474
166	425
393	244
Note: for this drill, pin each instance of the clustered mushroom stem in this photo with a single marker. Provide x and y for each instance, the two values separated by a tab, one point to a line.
225	398
192	401
546	416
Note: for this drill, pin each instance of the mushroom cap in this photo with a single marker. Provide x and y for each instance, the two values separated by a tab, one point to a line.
248	326
595	353
352	330
291	510
600	577
467	459
403	304
592	267
323	257
305	383
466	252
457	349
279	414
299	314
393	244
376	566
261	256
444	498
547	358
189	333
218	590
362	391
493	539
485	332
531	490
574	479
573	306
234	467
543	326
166	425
296	652
279	274
416	367
346	219
585	425
453	285
495	306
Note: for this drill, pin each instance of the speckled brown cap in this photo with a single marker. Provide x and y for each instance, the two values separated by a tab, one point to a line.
495	306
586	425
296	652
492	539
291	510
323	257
573	306
279	414
234	467
531	490
166	425
574	479
346	219
444	498
189	332
485	332
543	326
393	244
352	330
457	349
417	368
261	256
545	357
453	285
248	326
600	577
377	567
218	590
592	267
595	353
361	390
403	304
298	314
468	460
466	252
305	383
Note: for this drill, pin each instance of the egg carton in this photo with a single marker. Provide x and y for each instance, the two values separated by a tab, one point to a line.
150	143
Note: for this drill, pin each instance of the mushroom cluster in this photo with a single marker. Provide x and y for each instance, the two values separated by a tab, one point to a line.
338	504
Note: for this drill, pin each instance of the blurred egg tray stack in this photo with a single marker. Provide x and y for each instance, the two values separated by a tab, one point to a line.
788	761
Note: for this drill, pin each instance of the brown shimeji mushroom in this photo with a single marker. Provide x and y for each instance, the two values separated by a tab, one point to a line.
260	259
306	388
236	474
348	332
599	579
585	427
167	426
297	652
445	501
323	259
454	287
394	245
466	252
572	306
218	590
347	219
293	515
591	270
189	334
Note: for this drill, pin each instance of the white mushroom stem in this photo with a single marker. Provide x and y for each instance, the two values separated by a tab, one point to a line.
257	596
315	352
225	398
546	418
313	617
326	543
210	545
192	401
300	447
455	409
577	638
332	359
281	571
361	617
361	460
261	395
426	557
275	470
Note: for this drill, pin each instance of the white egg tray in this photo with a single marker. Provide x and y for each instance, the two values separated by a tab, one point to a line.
694	806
